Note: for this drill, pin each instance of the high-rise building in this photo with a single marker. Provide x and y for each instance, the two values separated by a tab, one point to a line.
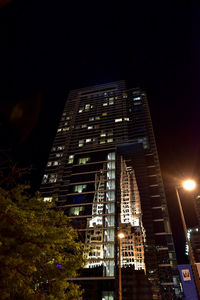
103	170
194	238
194	232
197	208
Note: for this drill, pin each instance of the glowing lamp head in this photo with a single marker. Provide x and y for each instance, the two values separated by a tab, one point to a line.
121	235
189	184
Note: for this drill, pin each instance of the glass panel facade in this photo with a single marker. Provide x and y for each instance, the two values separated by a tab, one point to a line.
99	241
133	243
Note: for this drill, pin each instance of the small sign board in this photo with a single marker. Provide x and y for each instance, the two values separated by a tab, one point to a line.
186	274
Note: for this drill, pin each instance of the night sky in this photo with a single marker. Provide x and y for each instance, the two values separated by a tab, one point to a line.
50	47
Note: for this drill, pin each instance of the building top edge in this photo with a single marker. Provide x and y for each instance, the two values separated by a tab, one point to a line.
98	87
119	85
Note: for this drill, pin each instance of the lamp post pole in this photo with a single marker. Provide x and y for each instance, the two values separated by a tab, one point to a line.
192	260
120	271
120	237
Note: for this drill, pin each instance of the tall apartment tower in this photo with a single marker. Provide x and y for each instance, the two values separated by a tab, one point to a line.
197	208
103	171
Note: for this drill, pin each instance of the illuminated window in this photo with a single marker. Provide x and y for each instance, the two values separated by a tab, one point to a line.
91	119
110	196
111	165
54	149
109	221
79	188
45	178
66	123
109	235
81	143
88	140
59	154
60	147
67	118
145	142
80	110
109	250
111	156
110	184
90	127
83	126
71	159
126	119
87	107
64	114
111	174
97	118
65	128
55	163
76	211
59	129
49	163
110	140
83	160
103	133
136	98
102	141
118	120
48	199
53	178
104	114
111	101
105	104
125	96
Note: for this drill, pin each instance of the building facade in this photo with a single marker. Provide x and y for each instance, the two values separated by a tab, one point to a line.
194	237
197	208
103	170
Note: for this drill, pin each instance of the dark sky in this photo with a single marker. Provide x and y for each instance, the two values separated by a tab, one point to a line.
50	47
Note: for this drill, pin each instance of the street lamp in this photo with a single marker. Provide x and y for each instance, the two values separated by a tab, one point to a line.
120	237
188	185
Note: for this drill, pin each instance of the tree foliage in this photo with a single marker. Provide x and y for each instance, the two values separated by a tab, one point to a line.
39	249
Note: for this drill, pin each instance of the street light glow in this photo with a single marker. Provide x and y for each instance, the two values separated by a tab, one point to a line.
189	184
121	235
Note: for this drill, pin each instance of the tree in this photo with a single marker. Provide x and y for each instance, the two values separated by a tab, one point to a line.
39	249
